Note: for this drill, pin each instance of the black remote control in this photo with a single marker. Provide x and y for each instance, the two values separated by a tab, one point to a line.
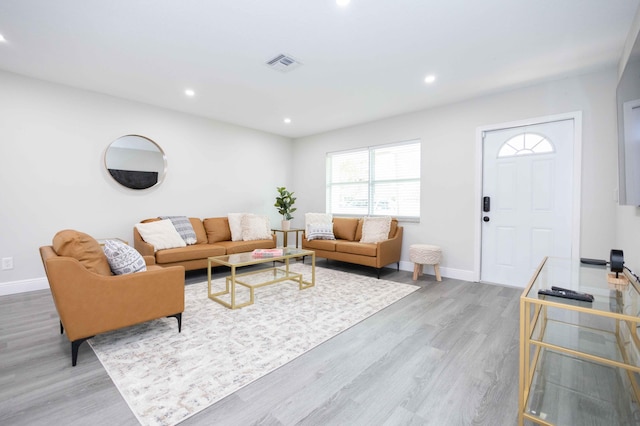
598	262
567	295
566	290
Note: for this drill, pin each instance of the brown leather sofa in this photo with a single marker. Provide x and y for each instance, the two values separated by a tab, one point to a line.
90	300
213	239
348	248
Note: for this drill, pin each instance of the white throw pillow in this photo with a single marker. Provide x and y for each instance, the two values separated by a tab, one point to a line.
317	219
255	227
235	225
375	229
123	259
160	234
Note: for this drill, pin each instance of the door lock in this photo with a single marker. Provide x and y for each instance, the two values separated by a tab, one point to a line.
486	219
486	204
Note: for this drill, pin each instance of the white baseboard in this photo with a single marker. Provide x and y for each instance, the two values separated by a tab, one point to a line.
23	286
457	274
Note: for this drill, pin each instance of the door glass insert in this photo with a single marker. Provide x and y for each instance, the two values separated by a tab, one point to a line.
525	144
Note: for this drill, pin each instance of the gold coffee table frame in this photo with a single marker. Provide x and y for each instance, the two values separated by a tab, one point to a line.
280	274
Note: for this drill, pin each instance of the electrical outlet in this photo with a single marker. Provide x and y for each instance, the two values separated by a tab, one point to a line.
7	263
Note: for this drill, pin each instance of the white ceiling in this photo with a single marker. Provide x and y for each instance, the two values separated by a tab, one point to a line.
360	63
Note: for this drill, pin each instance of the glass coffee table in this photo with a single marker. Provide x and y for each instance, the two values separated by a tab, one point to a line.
257	278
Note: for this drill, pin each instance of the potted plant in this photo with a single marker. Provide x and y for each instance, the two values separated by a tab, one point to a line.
284	204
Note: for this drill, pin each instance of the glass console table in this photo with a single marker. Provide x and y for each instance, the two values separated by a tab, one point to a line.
579	361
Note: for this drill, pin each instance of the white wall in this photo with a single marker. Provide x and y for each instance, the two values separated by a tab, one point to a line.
52	143
628	217
448	134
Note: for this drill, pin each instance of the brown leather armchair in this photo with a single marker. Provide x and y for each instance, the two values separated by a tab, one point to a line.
90	303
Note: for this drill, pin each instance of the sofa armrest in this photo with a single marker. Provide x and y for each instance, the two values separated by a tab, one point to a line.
149	260
389	250
143	247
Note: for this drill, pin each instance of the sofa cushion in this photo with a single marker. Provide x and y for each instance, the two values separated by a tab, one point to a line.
235	225
196	251
160	234
344	228
393	228
354	247
82	247
375	229
198	228
358	235
184	228
255	227
327	245
123	259
217	229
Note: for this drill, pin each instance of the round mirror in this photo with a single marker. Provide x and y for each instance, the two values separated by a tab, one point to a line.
135	162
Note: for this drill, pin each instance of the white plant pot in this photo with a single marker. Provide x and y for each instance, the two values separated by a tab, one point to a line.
286	225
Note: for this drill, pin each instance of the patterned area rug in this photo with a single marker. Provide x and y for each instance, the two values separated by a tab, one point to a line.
166	376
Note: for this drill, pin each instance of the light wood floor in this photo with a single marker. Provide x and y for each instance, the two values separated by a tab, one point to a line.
445	355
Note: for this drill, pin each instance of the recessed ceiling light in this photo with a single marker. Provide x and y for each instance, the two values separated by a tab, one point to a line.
287	120
430	79
190	93
342	3
2	39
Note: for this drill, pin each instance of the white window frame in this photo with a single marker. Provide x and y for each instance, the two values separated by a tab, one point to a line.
371	182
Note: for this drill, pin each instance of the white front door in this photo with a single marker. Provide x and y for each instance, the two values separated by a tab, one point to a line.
527	182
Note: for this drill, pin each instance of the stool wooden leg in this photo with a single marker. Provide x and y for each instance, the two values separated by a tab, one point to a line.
436	267
416	269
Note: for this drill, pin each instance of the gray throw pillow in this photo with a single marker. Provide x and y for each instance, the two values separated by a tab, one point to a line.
184	228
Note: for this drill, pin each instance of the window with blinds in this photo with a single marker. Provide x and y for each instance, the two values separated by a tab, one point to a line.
375	181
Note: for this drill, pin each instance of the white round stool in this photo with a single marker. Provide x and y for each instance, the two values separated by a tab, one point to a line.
424	254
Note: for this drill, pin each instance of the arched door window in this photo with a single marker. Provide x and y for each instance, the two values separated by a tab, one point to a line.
525	144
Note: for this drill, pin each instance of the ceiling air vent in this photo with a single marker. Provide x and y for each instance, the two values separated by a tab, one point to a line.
283	63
